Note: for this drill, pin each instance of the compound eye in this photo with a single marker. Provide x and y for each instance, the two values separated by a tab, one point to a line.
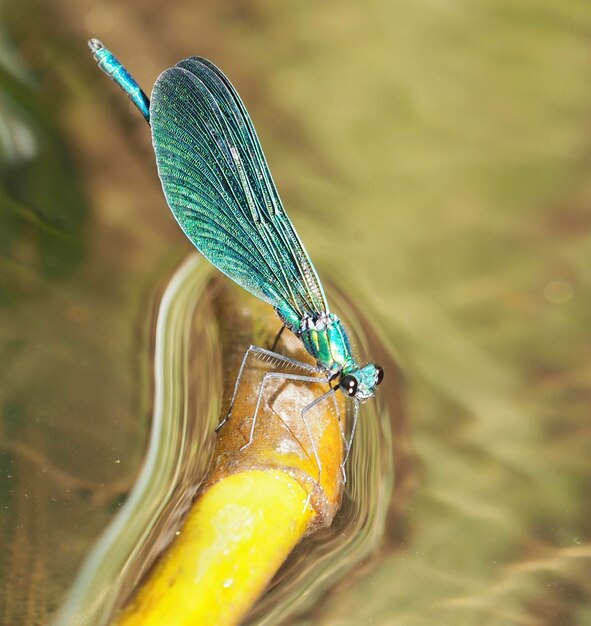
379	374
348	384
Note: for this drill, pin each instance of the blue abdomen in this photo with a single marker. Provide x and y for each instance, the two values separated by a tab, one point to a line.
112	67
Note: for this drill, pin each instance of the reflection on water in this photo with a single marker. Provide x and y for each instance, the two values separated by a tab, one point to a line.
186	409
187	405
434	157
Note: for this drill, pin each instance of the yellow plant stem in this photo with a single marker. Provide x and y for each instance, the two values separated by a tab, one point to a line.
218	563
262	493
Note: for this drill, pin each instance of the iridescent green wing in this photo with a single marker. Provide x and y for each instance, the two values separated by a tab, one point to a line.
219	188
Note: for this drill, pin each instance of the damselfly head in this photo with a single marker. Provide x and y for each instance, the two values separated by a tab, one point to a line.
361	383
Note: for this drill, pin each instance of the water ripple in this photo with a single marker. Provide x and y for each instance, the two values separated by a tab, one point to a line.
186	406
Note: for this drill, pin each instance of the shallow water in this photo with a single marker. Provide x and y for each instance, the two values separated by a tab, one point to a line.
434	157
187	405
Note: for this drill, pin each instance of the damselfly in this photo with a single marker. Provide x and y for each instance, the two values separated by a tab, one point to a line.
219	188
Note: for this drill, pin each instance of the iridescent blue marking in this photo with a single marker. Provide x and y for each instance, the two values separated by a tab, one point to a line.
112	67
220	190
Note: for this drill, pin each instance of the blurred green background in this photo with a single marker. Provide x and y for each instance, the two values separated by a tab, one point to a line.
435	157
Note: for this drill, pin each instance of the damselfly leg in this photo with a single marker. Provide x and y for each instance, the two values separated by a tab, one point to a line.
307	426
349	443
277	338
313	374
266	356
298	378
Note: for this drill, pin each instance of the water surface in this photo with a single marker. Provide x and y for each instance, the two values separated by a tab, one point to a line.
434	158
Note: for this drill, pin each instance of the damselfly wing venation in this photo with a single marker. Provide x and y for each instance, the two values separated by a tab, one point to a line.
219	188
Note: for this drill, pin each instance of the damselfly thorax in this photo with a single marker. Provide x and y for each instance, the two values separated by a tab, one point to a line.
326	339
